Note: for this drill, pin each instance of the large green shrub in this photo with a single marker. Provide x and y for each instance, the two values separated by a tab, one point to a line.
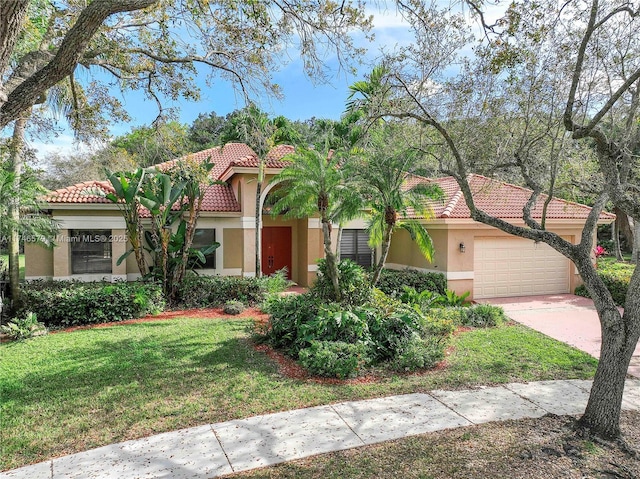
334	324
616	277
419	353
197	291
287	314
380	331
334	358
353	280
392	281
483	316
70	303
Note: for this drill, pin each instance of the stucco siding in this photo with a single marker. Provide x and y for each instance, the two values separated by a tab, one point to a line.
119	246
404	251
62	256
461	286
301	274
233	247
38	261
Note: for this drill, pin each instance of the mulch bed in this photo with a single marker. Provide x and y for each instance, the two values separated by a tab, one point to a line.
203	313
290	369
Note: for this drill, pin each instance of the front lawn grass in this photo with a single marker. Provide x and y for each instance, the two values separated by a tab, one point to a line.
69	392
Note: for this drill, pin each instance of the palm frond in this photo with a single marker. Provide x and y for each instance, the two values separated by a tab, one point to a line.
420	236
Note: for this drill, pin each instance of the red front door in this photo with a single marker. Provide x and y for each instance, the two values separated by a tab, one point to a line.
276	249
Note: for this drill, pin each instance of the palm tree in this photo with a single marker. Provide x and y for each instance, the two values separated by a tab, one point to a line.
255	128
397	199
315	183
384	178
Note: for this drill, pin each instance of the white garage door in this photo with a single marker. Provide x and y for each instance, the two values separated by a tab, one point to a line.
517	267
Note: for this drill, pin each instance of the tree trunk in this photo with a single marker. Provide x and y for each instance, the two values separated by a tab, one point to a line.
165	237
338	241
623	223
330	258
615	236
136	238
16	163
12	13
635	254
602	415
259	224
195	205
386	244
620	334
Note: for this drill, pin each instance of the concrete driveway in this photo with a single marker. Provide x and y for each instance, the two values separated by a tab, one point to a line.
565	317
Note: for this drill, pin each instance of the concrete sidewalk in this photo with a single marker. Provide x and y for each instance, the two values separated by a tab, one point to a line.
565	317
217	449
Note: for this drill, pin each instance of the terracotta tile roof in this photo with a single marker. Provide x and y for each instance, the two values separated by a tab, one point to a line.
220	156
218	198
502	200
87	192
274	158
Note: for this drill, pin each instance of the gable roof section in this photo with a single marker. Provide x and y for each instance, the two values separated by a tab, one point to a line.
499	199
220	156
218	197
274	160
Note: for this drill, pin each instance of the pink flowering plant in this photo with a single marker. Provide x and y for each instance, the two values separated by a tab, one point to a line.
599	251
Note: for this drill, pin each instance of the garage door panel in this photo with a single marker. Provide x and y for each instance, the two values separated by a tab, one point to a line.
516	267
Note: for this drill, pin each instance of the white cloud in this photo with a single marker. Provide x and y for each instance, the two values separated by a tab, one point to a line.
62	144
387	18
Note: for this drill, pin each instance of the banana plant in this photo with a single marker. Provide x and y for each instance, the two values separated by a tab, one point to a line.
164	199
127	187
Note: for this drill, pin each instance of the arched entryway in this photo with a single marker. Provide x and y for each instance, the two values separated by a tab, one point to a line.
277	240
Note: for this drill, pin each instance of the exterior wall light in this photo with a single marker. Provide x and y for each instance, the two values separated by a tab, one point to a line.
462	248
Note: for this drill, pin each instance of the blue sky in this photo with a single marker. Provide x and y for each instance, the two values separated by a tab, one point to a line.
302	98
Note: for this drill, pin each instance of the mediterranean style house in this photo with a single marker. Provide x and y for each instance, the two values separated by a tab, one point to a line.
473	257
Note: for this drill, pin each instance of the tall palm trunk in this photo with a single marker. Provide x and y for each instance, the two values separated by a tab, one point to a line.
259	219
16	163
386	244
390	219
339	241
330	258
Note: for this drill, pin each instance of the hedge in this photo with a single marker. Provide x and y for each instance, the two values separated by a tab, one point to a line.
616	278
214	291
391	281
71	303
